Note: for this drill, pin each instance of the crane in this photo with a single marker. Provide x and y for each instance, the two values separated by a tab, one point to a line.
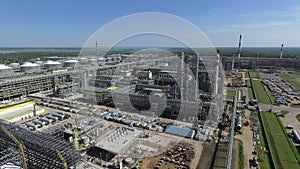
76	137
20	145
63	160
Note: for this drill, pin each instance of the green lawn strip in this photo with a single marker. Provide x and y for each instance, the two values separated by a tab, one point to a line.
290	141
230	92
295	74
291	79
260	92
250	94
298	117
281	150
254	74
284	112
241	156
270	94
264	160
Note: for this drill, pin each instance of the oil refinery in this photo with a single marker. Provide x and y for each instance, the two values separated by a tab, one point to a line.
149	85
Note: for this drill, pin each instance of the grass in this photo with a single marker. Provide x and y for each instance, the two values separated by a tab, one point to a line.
298	117
241	156
295	74
207	155
261	93
291	79
250	93
220	159
284	112
290	141
265	161
230	92
254	74
295	105
281	150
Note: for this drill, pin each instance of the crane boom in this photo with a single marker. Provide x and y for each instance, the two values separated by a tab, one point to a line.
63	160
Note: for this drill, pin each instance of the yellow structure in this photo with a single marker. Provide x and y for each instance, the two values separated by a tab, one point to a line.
17	105
112	88
61	70
63	160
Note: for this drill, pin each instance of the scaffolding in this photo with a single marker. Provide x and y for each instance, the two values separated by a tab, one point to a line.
41	148
22	86
10	156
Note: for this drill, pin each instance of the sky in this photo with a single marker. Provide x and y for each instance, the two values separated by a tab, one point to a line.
70	23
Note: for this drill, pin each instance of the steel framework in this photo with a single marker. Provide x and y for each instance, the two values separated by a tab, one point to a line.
40	148
10	155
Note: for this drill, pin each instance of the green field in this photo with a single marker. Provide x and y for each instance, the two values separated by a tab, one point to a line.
253	74
262	155
295	74
291	79
261	93
284	112
230	92
250	93
295	105
241	156
298	117
284	154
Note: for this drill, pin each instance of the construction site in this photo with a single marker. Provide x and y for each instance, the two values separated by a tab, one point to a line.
142	110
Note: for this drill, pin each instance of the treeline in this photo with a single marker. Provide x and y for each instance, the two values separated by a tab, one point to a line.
20	57
32	54
270	52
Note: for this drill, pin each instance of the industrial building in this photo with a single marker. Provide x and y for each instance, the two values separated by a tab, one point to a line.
141	96
5	71
39	150
52	65
259	63
181	131
28	67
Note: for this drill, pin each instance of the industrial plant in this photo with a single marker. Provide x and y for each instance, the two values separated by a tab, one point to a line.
144	109
109	111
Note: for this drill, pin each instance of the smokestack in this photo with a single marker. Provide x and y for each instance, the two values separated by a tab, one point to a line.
281	50
239	50
97	50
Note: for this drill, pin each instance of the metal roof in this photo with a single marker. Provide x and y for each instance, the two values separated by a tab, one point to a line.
180	131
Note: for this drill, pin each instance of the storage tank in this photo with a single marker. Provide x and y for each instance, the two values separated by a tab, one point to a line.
5	71
83	60
101	59
129	161
71	63
93	62
239	123
41	63
52	65
14	65
108	59
29	67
